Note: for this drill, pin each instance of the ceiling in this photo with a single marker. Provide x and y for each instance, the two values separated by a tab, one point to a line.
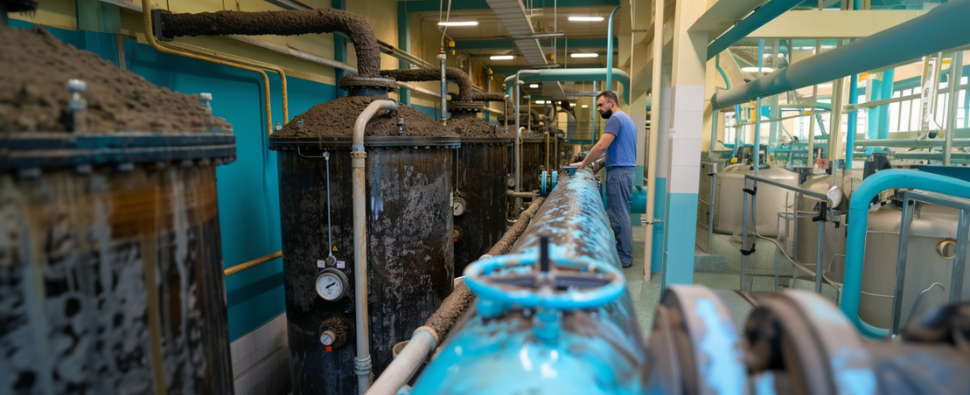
490	38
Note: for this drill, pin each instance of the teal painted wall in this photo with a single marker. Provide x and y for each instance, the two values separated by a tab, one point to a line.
247	188
680	239
660	212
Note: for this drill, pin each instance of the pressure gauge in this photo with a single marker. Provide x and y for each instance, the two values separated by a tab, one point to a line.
327	338
331	284
458	206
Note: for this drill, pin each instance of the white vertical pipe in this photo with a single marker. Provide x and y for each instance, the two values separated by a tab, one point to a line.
658	43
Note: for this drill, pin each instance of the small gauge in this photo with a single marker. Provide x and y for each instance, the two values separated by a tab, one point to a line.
458	206
331	284
327	338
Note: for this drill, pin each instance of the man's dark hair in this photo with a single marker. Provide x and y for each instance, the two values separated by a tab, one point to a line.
609	95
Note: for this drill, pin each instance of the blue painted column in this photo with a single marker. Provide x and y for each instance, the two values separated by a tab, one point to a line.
404	44
339	51
887	92
873	90
853	121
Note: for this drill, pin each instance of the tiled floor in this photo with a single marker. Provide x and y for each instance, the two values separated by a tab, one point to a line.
720	273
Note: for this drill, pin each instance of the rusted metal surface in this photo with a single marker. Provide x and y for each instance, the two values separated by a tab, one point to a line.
533	160
74	303
410	253
480	181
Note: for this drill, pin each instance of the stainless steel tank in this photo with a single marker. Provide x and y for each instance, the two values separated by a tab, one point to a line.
771	200
925	266
806	230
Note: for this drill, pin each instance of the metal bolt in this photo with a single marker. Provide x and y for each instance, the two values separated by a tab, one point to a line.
206	98
400	125
299	124
77	104
279	126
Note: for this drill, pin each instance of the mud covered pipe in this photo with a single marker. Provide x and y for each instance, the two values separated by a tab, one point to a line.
509	238
489	96
423	341
465	93
281	23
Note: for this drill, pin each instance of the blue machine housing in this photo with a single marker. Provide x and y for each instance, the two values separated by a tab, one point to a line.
577	340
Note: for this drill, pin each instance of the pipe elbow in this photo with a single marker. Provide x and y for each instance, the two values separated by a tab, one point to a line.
365	116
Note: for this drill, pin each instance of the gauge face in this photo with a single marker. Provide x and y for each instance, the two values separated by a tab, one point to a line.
458	206
326	338
331	285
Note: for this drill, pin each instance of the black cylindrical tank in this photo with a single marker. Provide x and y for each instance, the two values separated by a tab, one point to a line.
480	184
533	161
409	221
111	276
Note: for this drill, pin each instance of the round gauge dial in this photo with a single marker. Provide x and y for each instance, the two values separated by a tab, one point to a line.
331	284
458	206
327	338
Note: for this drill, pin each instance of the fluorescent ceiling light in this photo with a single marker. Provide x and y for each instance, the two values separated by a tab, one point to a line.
586	18
533	85
584	55
459	23
540	102
755	69
502	57
828	46
825	85
585	106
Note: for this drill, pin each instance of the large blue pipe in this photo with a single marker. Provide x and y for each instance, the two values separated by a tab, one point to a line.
942	28
744	27
590	344
859	218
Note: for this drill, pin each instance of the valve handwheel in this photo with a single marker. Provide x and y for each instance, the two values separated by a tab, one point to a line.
541	281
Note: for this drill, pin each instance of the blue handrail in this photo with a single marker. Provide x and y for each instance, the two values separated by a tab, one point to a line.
858	222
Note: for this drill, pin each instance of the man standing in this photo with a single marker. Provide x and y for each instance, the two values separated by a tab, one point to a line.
619	142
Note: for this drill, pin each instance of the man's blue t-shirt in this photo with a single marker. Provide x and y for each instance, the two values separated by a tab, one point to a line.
623	150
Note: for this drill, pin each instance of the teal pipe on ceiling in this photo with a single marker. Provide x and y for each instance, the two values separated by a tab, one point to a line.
744	27
944	27
585	74
609	53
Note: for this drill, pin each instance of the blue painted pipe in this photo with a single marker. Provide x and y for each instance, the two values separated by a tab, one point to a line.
609	52
858	222
944	27
853	120
744	27
887	92
591	349
584	74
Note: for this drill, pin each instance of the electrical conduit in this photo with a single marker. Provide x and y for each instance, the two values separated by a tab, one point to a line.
358	158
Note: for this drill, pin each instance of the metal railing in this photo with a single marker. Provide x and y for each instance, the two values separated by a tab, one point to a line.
911	198
820	218
710	201
253	263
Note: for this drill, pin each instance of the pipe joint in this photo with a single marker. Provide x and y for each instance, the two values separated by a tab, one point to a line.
430	332
362	367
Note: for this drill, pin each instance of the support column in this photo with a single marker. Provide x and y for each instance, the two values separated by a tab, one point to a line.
686	132
404	44
887	93
339	51
663	172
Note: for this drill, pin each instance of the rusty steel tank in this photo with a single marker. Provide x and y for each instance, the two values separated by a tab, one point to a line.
409	228
111	273
480	205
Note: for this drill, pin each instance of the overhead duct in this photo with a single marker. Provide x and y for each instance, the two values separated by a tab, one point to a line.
519	25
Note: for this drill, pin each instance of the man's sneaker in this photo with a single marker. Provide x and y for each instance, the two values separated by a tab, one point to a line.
628	264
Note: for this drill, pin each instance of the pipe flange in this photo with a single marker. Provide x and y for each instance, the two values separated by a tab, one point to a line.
465	106
20	5
349	82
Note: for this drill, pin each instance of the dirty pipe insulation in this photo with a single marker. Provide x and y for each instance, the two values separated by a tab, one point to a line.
509	238
281	23
456	75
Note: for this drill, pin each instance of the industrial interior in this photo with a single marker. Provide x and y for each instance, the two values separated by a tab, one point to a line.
385	197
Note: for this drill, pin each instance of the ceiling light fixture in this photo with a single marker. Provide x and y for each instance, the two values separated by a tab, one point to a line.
585	106
584	55
586	18
458	23
533	85
540	102
502	57
755	69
